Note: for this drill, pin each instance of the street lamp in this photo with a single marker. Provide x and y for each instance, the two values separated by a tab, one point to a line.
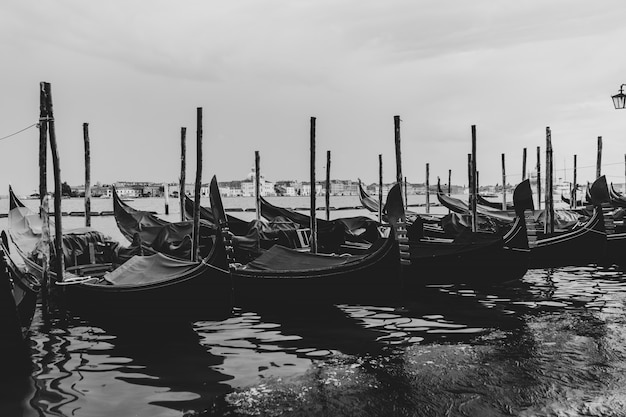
619	99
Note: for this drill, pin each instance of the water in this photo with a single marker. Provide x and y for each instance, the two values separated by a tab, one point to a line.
550	344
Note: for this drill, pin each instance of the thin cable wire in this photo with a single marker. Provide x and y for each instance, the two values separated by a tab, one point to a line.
19	131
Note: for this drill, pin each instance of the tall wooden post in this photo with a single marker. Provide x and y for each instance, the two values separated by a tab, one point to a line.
474	194
574	193
549	224
44	254
449	182
87	175
396	122
257	184
195	247
406	192
503	184
400	227
427	187
524	165
166	196
183	170
327	185
380	188
58	226
599	158
469	177
312	210
538	177
43	145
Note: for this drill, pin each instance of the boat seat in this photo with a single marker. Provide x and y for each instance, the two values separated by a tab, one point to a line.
304	238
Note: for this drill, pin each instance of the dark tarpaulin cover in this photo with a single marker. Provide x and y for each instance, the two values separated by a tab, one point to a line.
160	235
279	258
149	270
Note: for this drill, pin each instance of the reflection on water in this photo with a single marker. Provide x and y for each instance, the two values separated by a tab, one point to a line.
549	344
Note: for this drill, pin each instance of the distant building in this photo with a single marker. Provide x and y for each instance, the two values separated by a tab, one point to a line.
248	186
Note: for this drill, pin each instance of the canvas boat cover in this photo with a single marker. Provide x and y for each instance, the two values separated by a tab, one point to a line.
144	270
280	258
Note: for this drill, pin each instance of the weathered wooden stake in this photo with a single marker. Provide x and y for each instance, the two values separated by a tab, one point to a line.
470	182
524	165
503	184
380	188
474	194
58	226
257	184
166	195
574	193
327	185
449	182
400	228
87	175
396	121
538	177
183	171
195	247
406	194
313	241
549	224
43	145
599	158
44	254
427	187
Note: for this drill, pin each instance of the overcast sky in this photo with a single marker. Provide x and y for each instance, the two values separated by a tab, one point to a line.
136	71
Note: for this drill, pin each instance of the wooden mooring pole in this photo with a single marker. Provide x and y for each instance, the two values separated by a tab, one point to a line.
87	175
503	184
538	177
195	247
327	185
380	188
474	189
573	195
599	158
400	229
313	224
43	145
257	184
549	224
166	195
58	226
524	165
427	188
183	170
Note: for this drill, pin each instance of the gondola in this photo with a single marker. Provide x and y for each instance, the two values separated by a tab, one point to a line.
585	243
617	199
433	224
19	291
492	204
471	257
577	239
331	233
487	217
171	238
251	238
286	276
119	283
601	195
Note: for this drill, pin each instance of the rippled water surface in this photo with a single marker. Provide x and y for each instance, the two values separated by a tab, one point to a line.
550	344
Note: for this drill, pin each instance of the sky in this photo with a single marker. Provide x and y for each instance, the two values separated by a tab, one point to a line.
137	71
